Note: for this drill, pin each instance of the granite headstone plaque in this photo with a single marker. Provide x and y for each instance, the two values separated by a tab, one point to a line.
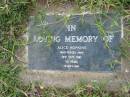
88	42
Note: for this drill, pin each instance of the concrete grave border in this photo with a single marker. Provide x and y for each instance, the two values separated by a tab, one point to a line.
69	79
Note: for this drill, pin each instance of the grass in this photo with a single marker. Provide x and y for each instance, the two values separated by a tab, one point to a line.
10	82
13	21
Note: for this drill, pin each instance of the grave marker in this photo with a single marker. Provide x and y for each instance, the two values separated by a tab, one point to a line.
87	42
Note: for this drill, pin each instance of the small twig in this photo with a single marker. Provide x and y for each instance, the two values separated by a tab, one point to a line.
13	54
